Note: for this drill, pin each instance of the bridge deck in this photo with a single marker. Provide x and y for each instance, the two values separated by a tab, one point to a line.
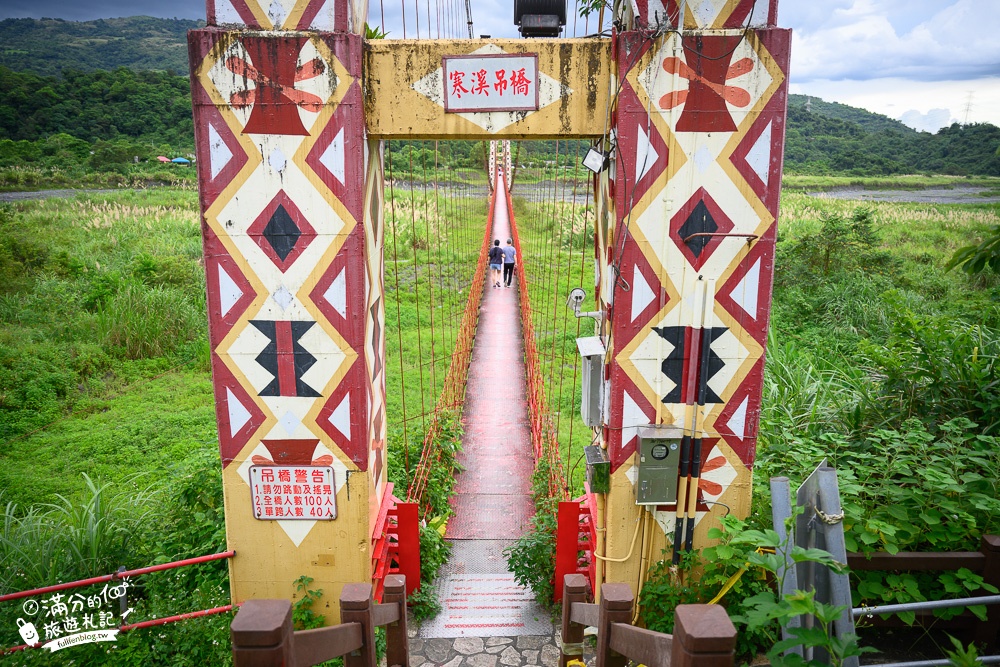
492	500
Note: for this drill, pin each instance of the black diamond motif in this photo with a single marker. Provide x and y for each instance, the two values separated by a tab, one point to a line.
699	222
282	232
673	365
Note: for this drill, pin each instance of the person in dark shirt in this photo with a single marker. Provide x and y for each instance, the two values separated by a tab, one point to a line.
509	258
496	262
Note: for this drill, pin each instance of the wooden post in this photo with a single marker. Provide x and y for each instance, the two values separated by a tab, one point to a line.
988	631
574	590
703	637
397	651
356	607
616	607
262	634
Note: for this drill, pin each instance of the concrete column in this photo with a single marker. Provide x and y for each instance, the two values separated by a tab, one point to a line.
689	209
292	225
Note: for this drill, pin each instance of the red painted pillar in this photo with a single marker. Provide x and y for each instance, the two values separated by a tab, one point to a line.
408	534
567	543
293	256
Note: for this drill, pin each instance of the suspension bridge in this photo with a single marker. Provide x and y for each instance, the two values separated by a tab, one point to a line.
681	111
352	326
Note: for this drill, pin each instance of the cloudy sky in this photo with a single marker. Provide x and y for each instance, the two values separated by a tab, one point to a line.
926	62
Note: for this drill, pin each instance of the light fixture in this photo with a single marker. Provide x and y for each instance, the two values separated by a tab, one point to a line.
595	160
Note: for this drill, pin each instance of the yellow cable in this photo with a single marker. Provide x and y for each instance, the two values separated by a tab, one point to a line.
736	577
638	523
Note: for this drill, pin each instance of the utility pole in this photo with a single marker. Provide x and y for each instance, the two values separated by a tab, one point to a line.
968	107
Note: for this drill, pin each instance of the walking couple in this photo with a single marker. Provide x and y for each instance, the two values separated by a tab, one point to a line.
502	257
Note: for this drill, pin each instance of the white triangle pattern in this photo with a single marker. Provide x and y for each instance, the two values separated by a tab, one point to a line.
642	295
219	154
632	418
333	157
759	157
336	294
226	14
238	415
341	417
706	12
746	291
645	155
276	14
229	292
738	422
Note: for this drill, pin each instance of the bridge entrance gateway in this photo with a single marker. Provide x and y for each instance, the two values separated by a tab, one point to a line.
292	106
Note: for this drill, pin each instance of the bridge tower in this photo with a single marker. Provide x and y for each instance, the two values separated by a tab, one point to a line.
292	225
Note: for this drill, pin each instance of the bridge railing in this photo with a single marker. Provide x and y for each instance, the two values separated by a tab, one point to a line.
703	634
120	575
262	633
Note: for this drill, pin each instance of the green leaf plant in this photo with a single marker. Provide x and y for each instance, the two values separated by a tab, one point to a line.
770	605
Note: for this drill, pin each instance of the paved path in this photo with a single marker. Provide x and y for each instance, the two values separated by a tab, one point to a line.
487	619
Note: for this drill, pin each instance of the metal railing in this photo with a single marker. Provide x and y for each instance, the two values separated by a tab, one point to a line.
117	576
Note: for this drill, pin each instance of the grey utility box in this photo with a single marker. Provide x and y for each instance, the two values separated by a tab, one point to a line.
659	459
598	469
592	356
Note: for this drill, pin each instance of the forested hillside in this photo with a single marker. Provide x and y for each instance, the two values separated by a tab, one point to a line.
872	122
48	46
98	82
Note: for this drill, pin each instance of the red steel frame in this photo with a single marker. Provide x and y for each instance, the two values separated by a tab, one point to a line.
576	533
396	543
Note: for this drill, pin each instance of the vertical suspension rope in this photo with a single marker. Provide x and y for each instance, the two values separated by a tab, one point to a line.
399	317
416	292
430	284
545	444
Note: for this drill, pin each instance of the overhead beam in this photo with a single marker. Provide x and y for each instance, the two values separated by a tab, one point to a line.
404	90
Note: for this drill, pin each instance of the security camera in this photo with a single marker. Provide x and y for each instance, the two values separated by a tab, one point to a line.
575	301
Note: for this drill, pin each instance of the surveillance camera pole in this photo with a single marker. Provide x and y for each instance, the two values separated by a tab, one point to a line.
575	301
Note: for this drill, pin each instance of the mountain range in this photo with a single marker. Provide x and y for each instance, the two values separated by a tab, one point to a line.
123	79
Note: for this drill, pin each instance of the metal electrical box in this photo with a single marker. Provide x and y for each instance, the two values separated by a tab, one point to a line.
598	469
592	355
659	459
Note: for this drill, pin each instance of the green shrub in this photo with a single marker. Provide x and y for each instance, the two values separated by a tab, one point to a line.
532	558
140	322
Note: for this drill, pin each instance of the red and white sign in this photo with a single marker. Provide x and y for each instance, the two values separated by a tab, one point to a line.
293	492
490	82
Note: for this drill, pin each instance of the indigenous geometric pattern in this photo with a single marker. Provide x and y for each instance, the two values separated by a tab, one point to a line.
700	129
703	14
327	15
294	311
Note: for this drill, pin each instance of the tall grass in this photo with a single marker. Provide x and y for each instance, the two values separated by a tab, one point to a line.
140	322
74	538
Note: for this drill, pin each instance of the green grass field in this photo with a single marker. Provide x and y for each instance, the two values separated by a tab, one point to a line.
104	358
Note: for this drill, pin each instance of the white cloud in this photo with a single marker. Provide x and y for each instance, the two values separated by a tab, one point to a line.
859	40
932	121
894	97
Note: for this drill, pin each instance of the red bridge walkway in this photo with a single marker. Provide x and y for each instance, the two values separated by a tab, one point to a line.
492	502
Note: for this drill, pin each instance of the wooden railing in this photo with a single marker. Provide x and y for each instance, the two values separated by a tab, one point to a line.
262	631
703	634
